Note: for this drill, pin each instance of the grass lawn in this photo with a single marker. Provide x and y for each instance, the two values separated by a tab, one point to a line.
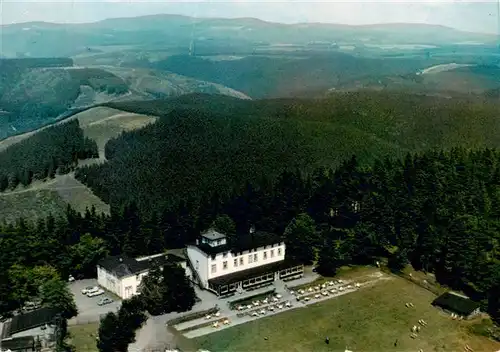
370	320
83	337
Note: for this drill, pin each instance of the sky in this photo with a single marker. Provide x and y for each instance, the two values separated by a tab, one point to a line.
474	16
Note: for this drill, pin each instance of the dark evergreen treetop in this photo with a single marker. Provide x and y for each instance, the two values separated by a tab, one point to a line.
56	148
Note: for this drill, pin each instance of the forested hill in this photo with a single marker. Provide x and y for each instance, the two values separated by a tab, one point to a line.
205	144
266	77
55	149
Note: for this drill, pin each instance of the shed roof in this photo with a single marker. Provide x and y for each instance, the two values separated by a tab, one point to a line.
455	303
122	266
34	319
18	343
175	258
178	252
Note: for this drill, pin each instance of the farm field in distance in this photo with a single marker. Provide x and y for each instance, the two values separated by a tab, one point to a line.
370	320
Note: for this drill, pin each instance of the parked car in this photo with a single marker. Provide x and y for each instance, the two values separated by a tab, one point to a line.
104	301
88	289
32	305
95	293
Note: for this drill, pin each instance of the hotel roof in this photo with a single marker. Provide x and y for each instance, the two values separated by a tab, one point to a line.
242	242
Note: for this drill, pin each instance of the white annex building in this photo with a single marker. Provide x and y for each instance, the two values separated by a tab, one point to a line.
123	275
223	266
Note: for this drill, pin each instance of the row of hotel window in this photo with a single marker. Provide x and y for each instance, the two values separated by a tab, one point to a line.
251	259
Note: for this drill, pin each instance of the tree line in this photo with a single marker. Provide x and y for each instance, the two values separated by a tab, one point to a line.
37	258
53	150
438	210
205	144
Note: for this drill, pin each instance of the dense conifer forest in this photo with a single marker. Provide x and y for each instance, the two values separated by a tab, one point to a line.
204	144
54	149
437	210
285	167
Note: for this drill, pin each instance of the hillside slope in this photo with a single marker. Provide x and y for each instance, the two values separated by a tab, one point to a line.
445	79
266	77
40	199
206	144
37	92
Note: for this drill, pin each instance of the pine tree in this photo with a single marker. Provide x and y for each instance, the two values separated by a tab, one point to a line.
107	340
398	260
177	293
329	257
300	236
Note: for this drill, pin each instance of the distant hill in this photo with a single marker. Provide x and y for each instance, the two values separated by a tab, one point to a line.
38	39
204	144
446	80
36	92
265	77
257	58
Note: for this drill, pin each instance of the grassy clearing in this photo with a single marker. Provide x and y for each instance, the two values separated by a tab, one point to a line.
370	319
83	337
111	125
50	197
30	204
76	194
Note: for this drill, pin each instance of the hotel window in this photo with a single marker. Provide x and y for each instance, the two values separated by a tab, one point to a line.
255	258
265	255
241	261
224	265
235	263
212	256
250	259
272	253
279	251
214	268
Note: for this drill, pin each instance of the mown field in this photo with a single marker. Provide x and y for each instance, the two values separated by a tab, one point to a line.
370	320
83	337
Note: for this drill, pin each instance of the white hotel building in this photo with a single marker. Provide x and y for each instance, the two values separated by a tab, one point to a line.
223	267
123	275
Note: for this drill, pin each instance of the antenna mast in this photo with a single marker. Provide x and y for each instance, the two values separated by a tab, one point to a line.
193	28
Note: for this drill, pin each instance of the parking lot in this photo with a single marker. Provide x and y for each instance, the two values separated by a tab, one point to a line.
88	309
